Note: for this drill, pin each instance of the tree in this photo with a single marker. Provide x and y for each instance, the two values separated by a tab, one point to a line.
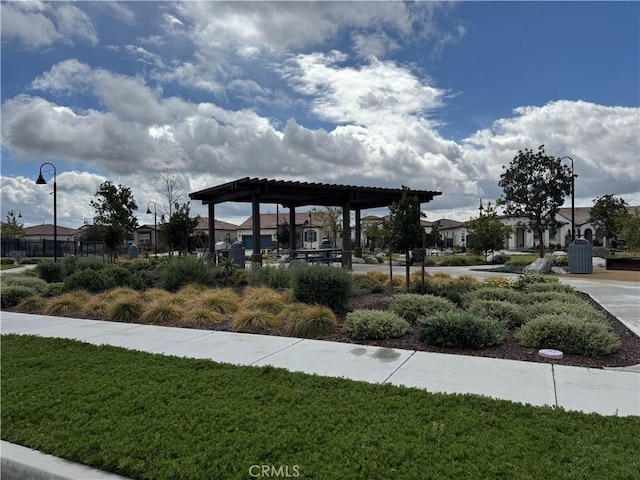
12	229
114	206
607	215
434	237
405	231
631	230
332	221
180	228
534	187
486	233
171	187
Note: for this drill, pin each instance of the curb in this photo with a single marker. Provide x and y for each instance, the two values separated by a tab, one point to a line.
22	463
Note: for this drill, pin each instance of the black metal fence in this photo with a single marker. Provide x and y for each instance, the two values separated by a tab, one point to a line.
45	248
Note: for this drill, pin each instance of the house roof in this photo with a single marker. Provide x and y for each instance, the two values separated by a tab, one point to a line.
268	220
47	229
296	194
203	224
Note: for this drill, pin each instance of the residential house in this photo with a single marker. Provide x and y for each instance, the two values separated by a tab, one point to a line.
311	229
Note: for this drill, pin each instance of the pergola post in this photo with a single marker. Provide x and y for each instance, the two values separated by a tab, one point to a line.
256	258
346	236
358	244
292	232
212	228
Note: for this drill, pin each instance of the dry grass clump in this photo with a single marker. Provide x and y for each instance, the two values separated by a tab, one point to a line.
262	299
118	292
67	305
96	307
154	294
200	316
191	290
254	321
164	311
309	321
220	300
125	309
31	305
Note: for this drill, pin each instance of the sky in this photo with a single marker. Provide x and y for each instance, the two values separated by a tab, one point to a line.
434	96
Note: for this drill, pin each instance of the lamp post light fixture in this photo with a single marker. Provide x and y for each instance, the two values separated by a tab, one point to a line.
573	200
481	208
42	181
155	225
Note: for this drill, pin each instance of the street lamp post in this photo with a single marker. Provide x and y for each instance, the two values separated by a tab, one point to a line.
42	181
155	225
13	214
573	200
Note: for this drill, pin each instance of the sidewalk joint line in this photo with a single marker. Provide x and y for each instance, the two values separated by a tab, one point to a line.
277	351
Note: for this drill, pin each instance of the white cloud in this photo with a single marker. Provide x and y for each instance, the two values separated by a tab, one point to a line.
38	24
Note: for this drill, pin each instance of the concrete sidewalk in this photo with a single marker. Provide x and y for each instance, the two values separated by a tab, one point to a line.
606	392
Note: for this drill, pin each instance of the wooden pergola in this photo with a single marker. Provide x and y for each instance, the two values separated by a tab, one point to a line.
292	194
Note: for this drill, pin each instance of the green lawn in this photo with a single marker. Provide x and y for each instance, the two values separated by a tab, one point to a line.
155	417
8	267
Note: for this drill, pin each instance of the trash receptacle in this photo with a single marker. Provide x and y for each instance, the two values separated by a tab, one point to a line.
236	254
134	252
580	257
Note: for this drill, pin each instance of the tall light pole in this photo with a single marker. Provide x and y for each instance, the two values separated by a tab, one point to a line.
573	200
155	225
42	181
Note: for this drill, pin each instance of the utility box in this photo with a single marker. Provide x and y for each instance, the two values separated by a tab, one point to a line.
236	254
580	257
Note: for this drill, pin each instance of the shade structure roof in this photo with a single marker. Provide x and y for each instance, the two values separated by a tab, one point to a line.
296	194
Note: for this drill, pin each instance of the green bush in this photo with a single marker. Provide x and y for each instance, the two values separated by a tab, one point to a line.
519	261
181	271
72	264
553	296
579	311
601	252
7	261
372	324
494	293
549	287
93	281
54	289
527	279
513	315
411	306
30	261
460	261
50	272
463	330
272	277
559	260
18	280
11	295
569	335
499	259
322	285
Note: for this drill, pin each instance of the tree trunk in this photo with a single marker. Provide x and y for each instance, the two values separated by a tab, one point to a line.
407	271
540	232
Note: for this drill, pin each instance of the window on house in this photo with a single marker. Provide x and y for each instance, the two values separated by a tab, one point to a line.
144	238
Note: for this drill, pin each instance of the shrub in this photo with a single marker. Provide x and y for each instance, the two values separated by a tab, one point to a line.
7	261
38	285
601	252
411	306
519	261
549	287
460	260
118	276
125	309
254	321
578	311
373	279
553	296
372	324
530	278
50	272
310	321
31	304
277	278
560	261
322	285
499	259
494	293
11	295
163	311
511	314
72	264
200	316
181	271
498	282
54	290
565	333
462	329
87	279
30	261
67	305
